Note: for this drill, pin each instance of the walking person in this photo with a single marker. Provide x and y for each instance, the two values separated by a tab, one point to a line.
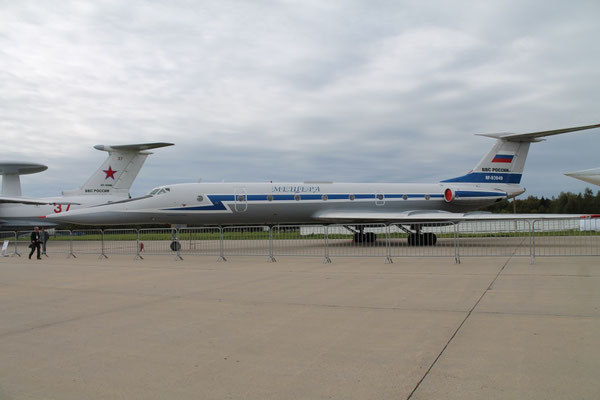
35	242
44	236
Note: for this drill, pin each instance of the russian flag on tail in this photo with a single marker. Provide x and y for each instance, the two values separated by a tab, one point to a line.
503	158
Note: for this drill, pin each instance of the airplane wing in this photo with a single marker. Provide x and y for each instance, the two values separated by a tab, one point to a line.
433	216
24	200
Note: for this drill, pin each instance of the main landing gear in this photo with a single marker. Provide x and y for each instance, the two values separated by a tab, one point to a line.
415	236
362	237
422	239
418	238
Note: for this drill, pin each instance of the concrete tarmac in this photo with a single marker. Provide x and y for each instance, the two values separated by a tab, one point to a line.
421	328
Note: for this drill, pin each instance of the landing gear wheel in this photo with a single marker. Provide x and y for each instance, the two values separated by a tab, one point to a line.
422	239
430	239
368	237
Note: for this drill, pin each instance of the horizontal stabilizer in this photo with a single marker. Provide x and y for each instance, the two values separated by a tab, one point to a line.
132	147
535	136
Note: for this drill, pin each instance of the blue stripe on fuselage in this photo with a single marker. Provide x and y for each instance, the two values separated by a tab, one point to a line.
218	201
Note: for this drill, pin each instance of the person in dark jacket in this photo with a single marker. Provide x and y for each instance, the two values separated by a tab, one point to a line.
35	242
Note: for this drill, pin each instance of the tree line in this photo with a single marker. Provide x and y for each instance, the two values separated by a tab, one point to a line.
565	203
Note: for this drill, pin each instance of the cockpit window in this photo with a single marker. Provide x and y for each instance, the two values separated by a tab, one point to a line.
158	191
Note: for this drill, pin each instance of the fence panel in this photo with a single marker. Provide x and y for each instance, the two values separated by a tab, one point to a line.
87	241
494	238
348	241
200	241
566	237
59	242
161	241
299	240
423	240
246	241
10	237
120	241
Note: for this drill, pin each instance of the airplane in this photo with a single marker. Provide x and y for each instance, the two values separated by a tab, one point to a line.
110	183
11	172
587	175
408	205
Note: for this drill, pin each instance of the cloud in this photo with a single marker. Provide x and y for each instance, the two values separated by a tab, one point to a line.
345	91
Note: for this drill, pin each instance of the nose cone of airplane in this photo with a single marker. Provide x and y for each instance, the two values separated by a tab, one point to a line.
588	175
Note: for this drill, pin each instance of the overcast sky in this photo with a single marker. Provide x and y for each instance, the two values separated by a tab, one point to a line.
384	91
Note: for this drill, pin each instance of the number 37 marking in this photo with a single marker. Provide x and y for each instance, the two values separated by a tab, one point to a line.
58	208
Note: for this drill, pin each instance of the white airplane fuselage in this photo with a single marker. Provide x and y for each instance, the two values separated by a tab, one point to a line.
289	203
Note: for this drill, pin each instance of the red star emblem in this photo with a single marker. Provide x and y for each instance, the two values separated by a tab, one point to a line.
109	173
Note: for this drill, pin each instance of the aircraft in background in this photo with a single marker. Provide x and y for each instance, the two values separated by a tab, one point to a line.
110	183
408	205
11	172
587	175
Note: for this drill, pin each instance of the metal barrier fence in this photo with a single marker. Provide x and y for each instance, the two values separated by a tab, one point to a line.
298	240
201	241
162	241
247	241
490	238
120	241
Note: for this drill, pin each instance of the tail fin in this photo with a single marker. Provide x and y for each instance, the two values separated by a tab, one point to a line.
505	162
117	173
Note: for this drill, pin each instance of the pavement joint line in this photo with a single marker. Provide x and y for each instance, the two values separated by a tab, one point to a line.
82	317
458	329
529	314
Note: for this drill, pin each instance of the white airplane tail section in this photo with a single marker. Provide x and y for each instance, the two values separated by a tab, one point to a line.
117	173
505	162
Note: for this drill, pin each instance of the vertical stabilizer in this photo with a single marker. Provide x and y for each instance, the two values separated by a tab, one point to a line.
116	175
505	162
